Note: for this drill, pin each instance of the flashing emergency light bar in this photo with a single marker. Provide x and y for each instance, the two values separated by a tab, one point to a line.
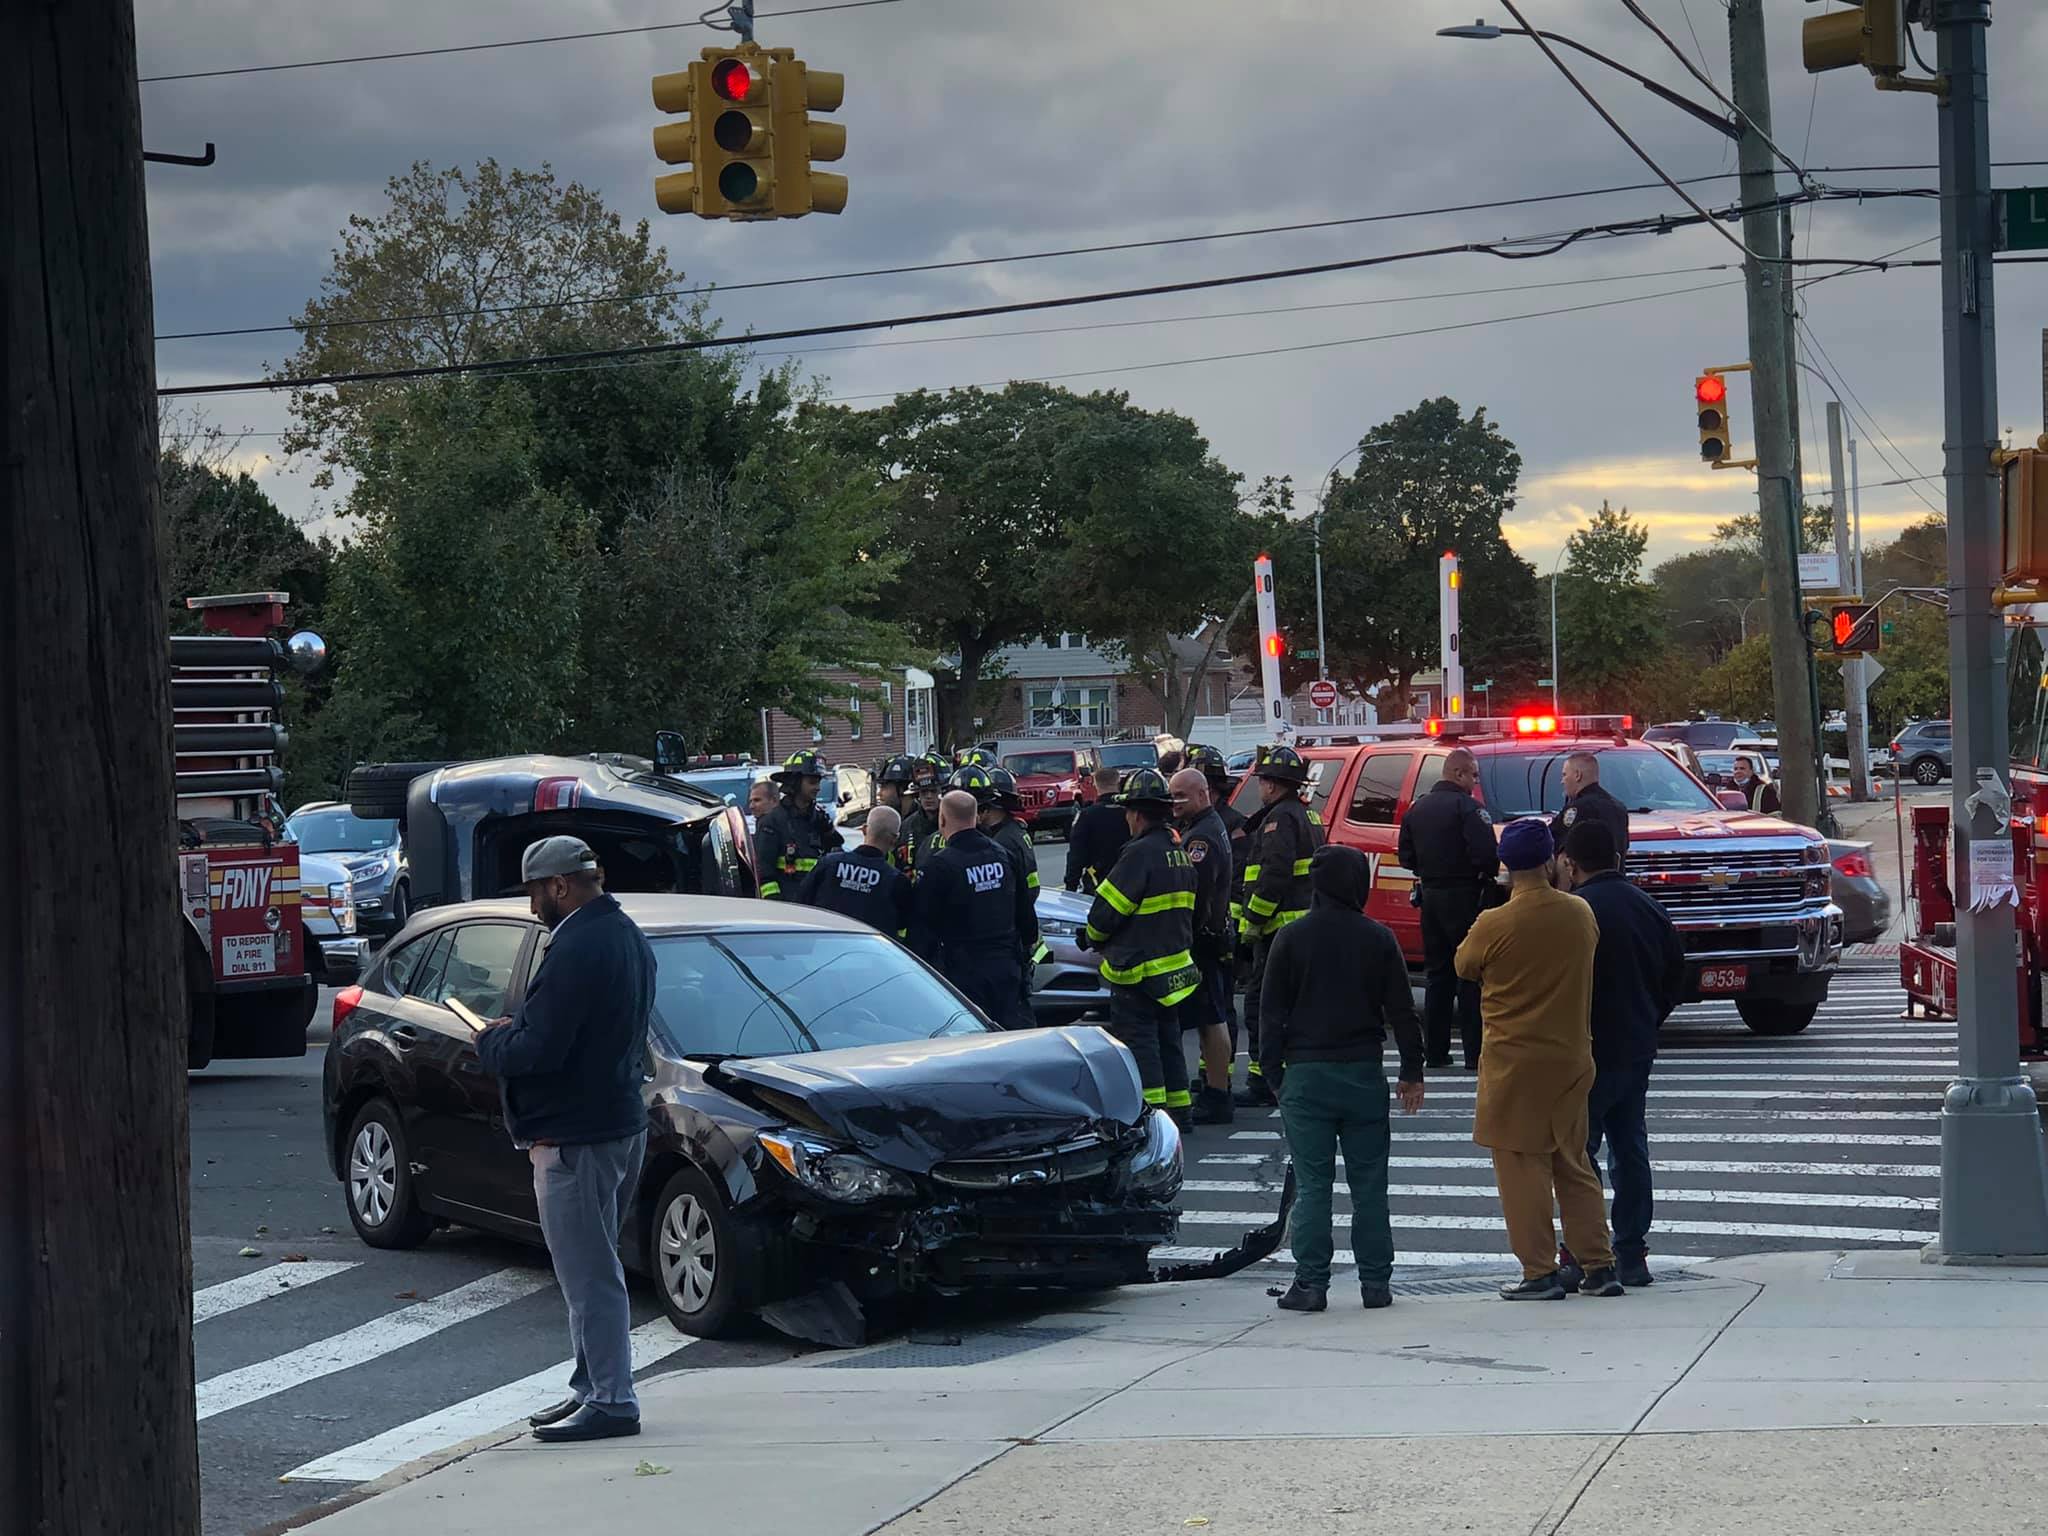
1531	725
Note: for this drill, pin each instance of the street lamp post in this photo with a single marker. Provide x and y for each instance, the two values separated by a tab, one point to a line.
1481	31
1322	499
1556	704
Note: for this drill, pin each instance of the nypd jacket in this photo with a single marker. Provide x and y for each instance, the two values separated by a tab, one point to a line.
1207	841
1143	919
1446	840
1595	802
970	902
860	883
787	846
571	1062
1276	876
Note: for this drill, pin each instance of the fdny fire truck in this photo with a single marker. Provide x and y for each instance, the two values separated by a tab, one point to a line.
248	988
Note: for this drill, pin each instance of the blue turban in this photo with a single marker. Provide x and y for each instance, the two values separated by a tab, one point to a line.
1526	844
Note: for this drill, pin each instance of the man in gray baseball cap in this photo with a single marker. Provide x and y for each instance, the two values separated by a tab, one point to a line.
569	1064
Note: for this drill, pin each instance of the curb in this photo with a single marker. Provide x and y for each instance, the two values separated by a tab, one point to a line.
398	1477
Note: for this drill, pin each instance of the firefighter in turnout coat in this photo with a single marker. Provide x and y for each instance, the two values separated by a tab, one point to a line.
789	840
1275	884
1142	923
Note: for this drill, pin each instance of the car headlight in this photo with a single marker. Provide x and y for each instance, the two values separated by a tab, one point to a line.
832	1171
370	869
1056	928
1158	1169
1819	872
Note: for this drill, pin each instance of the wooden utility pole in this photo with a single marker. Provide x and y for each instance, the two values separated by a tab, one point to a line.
97	1433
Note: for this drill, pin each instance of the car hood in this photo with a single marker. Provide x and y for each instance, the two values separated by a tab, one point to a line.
1066	906
915	1105
1686	826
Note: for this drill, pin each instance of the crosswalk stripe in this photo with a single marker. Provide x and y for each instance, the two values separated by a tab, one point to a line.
1798	1197
1693	1138
356	1346
1659	1165
1419	1259
652	1343
272	1280
1440	1223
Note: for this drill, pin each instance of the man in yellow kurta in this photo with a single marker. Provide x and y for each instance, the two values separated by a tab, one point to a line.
1533	960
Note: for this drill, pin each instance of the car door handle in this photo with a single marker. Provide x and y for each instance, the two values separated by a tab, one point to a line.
405	1034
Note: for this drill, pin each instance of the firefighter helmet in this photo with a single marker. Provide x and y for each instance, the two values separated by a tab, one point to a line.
1209	762
931	768
1145	789
976	781
1282	764
897	770
801	765
1006	789
979	757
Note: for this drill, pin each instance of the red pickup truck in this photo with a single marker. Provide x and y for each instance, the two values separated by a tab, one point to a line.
1748	893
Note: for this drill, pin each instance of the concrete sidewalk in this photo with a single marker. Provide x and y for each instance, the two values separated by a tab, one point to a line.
1789	1394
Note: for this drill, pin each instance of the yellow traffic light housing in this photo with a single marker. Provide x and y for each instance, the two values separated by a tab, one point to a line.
1872	34
2023	508
749	138
1710	395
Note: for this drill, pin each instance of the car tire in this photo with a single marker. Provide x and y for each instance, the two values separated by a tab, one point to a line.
376	791
706	1265
401	905
1775	1018
376	1180
1927	771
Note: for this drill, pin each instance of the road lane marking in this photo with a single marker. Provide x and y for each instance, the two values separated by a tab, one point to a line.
1434	1223
1693	1138
1659	1165
357	1346
501	1406
272	1280
1799	1197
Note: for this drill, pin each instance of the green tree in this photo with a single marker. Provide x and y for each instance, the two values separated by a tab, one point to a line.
222	533
1032	510
1610	624
1712	600
1430	480
1739	686
1744	531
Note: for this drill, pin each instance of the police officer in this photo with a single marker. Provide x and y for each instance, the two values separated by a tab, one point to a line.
1275	888
995	795
1142	922
789	840
1583	797
921	826
861	882
968	908
1448	844
1209	1010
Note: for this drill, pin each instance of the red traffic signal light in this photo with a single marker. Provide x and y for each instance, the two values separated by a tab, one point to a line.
1276	644
732	80
1710	389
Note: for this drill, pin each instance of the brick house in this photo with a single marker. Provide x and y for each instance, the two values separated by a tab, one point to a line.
877	720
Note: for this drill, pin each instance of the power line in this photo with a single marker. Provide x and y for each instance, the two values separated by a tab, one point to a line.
516	42
1643	16
704	290
1868	422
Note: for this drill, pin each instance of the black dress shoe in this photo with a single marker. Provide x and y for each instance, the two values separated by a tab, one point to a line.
556	1414
1376	1296
1635	1272
1542	1288
588	1422
1214	1107
1305	1298
1600	1282
1437	1063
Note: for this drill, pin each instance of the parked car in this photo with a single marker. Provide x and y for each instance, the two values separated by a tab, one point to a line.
1866	905
1924	751
335	953
372	851
823	1111
1127	755
1070	983
1710	735
1054	781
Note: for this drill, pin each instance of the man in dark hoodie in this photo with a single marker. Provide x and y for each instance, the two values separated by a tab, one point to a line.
1335	983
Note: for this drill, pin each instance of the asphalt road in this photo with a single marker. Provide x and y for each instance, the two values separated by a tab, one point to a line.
322	1362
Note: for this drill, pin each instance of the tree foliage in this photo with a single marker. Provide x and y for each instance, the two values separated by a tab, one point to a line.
1610	624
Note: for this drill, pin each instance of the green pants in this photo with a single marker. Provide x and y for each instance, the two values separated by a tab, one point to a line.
1324	1105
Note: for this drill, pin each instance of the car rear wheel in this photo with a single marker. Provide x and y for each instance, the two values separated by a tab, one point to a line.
1773	1018
1927	770
377	1179
706	1265
401	905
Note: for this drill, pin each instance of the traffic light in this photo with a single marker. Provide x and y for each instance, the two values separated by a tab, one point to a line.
1276	645
1872	34
1710	395
1852	629
800	91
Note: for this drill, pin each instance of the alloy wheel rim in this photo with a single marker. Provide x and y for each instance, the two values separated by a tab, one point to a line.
373	1174
689	1253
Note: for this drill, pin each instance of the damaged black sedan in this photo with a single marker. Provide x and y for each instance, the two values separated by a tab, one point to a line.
830	1123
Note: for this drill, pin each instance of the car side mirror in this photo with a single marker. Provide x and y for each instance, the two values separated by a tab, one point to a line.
670	753
1734	800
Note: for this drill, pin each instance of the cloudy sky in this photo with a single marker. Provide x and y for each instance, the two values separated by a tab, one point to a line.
985	128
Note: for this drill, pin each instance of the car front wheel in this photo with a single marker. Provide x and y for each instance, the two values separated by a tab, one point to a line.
377	1179
1772	1018
1927	770
704	1263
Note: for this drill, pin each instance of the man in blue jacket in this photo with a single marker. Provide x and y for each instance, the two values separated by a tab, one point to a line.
1638	978
570	1064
